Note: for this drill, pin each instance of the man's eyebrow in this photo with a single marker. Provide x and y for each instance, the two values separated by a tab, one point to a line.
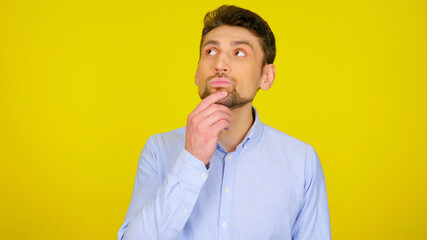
214	42
233	43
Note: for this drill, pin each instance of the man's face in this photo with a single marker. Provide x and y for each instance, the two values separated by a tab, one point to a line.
230	60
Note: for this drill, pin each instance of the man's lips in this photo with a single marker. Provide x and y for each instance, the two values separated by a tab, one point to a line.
219	82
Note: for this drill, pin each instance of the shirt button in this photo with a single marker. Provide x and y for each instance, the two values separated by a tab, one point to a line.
229	157
244	147
224	225
185	210
202	175
226	189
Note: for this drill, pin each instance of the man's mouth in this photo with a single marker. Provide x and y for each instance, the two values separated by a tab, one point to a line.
219	82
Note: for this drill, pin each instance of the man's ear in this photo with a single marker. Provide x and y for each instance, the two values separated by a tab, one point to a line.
268	76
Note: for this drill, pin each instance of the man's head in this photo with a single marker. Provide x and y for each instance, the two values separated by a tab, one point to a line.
237	52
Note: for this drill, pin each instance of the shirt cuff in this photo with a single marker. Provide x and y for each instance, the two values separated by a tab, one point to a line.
190	170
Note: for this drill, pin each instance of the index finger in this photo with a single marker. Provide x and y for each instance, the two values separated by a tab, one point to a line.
209	100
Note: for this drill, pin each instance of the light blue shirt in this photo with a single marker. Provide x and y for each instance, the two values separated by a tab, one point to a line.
271	187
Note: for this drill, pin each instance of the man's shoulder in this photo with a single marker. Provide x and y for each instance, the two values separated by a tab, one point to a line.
285	139
176	135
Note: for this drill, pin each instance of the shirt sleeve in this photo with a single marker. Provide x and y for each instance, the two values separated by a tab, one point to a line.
159	208
313	221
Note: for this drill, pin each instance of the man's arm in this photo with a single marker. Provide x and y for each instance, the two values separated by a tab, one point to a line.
159	208
312	222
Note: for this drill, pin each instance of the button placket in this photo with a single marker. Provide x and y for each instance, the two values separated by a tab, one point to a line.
226	197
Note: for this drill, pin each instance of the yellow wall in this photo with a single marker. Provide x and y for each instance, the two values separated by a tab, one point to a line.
83	84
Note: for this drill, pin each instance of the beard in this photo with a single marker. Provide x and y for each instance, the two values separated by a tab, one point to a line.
232	100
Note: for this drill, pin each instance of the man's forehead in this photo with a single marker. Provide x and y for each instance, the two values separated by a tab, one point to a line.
232	35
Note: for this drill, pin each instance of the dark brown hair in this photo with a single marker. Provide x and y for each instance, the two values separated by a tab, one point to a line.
236	16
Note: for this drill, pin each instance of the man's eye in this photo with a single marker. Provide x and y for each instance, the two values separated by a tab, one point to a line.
240	53
211	52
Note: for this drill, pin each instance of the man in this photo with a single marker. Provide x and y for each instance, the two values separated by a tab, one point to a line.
226	175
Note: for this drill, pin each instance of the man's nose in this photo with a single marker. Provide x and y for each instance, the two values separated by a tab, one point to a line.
222	65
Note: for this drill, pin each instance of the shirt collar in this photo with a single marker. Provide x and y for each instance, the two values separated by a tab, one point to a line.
256	128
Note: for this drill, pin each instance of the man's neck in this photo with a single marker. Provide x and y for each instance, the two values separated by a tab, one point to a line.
241	122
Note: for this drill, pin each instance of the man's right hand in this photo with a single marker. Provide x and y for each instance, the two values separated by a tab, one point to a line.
204	125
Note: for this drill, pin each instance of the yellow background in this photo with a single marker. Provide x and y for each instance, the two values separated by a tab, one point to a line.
85	83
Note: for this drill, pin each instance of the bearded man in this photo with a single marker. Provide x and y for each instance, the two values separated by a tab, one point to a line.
226	175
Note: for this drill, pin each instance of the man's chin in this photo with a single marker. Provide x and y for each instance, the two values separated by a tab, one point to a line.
225	101
210	91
